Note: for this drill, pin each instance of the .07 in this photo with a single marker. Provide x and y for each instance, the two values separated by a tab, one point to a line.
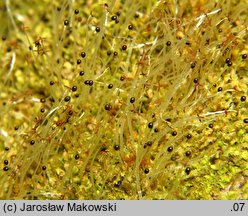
238	206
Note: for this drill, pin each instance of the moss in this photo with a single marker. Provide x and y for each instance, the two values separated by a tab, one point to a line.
169	66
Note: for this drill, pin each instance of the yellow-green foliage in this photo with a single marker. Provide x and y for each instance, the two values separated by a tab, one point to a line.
173	124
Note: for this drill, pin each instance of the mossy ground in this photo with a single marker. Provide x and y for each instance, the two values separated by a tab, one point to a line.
183	136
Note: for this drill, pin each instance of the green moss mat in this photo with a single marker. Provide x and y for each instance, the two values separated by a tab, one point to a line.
125	100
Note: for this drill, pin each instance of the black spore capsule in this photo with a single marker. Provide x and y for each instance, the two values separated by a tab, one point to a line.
66	22
79	61
130	27
187	153
110	86
114	18
168	43
76	11
67	98
108	107
187	170
132	99
116	147
174	133
74	88
170	149
124	47
243	98
192	65
149	143
91	82
146	170
86	82
229	64
228	60
173	158
98	29
189	136
83	54
42	100
219	89
122	78
150	125
118	184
